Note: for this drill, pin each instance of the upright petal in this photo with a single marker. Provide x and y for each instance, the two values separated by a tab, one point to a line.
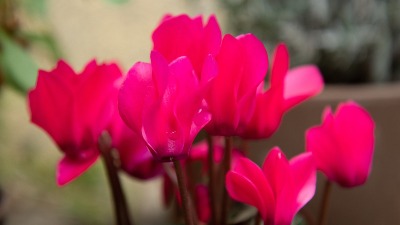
136	91
242	64
299	190
181	35
74	108
276	169
344	144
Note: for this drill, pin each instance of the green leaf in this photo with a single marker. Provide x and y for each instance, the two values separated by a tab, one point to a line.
35	7
18	67
48	42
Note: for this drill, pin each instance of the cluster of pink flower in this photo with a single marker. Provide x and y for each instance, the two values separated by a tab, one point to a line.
198	79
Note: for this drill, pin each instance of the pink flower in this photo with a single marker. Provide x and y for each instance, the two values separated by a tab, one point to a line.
163	103
278	190
242	64
202	201
183	36
287	89
74	109
343	145
135	158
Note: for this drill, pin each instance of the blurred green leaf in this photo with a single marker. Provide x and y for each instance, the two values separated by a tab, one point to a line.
47	40
18	67
36	7
117	1
299	220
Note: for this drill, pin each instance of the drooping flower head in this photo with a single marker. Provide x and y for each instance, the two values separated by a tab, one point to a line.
164	104
242	65
278	190
74	109
134	156
343	145
287	88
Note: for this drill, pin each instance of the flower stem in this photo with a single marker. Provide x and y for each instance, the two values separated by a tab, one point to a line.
226	167
325	203
211	182
120	205
187	209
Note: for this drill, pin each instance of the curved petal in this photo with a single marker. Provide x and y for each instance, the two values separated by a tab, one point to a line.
247	183
222	96
343	145
136	91
302	83
354	129
276	169
69	169
299	189
254	60
182	36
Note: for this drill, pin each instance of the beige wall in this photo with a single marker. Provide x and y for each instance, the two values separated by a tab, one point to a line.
122	32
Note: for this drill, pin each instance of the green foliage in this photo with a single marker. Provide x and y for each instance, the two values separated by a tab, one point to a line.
35	7
18	67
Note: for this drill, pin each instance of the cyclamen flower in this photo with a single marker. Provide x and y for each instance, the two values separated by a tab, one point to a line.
74	109
163	103
181	35
242	64
286	90
278	190
135	158
343	145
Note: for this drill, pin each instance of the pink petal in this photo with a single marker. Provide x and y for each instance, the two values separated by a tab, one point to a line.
247	183
343	145
69	169
136	159
212	36
160	72
222	96
136	91
299	190
163	133
276	169
354	130
209	71
302	83
203	203
254	60
182	36
51	89
319	142
173	37
280	65
267	115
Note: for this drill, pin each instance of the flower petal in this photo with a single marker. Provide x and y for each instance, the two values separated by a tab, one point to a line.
299	189
302	83
69	169
136	91
247	183
276	169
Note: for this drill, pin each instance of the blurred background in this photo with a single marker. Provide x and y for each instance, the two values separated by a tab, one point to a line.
355	43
